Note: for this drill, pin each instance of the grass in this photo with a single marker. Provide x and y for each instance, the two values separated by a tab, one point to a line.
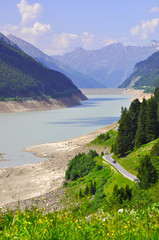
92	216
103	140
131	161
132	224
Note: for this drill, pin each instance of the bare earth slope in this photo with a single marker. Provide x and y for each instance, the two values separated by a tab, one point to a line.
34	105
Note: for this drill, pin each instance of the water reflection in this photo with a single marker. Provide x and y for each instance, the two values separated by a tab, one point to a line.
96	121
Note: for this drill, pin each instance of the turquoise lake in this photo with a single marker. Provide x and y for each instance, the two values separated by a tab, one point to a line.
20	130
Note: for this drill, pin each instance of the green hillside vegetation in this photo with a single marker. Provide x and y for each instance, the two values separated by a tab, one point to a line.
81	165
99	202
104	142
22	76
91	215
147	71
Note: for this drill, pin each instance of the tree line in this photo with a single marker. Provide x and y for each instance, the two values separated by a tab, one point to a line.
138	125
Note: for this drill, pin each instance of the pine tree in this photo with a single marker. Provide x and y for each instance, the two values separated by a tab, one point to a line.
80	193
140	137
92	188
147	173
156	98
128	192
151	120
86	191
156	95
134	113
123	140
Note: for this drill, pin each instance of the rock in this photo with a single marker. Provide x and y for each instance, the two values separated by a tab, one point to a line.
120	210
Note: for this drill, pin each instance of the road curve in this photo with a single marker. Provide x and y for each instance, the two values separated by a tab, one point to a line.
108	158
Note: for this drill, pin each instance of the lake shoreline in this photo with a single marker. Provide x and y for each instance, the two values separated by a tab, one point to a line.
65	102
41	105
32	180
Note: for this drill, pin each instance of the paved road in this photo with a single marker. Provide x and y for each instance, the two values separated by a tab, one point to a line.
108	158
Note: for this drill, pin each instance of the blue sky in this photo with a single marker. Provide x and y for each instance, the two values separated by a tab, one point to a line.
59	26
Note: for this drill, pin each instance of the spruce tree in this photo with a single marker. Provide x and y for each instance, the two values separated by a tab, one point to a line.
86	191
80	193
92	188
156	97
151	120
140	137
123	140
134	113
147	173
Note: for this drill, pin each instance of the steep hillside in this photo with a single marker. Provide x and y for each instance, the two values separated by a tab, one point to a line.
110	65
22	76
146	73
79	79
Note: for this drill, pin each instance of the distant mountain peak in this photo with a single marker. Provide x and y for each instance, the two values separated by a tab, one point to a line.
79	79
153	43
110	65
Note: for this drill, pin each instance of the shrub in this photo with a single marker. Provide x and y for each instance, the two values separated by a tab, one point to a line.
81	165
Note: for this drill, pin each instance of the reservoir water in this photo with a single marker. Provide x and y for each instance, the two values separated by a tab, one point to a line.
20	130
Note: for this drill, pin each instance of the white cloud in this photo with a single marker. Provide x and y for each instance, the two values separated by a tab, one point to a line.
8	29
42	36
110	41
145	29
29	12
37	29
154	9
63	40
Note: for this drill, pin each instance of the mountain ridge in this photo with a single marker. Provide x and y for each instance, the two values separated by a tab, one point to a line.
145	73
79	79
110	65
22	77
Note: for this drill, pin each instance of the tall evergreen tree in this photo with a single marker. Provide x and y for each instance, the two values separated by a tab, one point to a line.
134	113
123	140
147	173
151	120
140	137
156	97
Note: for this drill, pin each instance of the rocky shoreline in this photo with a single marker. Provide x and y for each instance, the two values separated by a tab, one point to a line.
35	105
44	179
40	179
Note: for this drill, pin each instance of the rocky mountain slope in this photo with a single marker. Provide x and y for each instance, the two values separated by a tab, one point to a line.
78	78
110	65
22	77
146	73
